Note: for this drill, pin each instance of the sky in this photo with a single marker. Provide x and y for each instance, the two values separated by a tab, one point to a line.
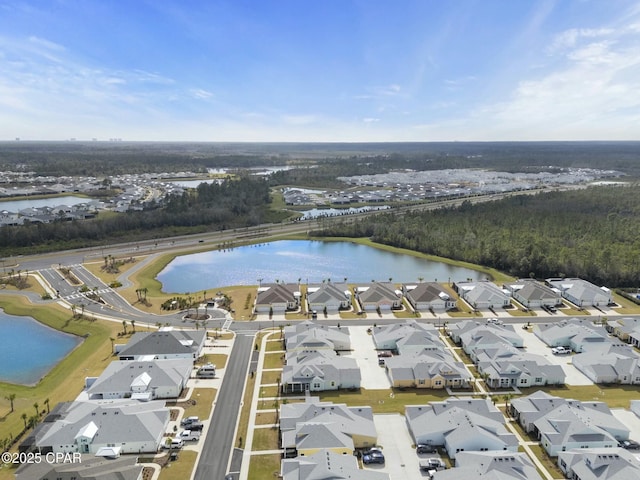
320	70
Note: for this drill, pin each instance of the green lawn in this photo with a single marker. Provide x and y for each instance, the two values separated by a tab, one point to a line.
180	468
264	467
385	401
265	439
273	360
270	377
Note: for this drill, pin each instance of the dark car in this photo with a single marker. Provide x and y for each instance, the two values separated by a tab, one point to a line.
425	448
196	426
373	457
630	445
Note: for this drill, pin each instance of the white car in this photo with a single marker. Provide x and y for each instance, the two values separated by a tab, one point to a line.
561	351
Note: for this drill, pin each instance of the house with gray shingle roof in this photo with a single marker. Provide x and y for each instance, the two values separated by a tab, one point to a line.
86	427
310	334
465	332
460	425
426	296
580	292
599	464
490	464
623	328
320	370
141	380
378	295
533	294
580	335
166	343
87	467
562	424
618	364
386	337
483	295
325	464
328	297
507	366
431	368
277	298
306	428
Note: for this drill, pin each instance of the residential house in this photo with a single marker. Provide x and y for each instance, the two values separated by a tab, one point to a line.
86	427
319	370
562	424
533	294
87	467
378	296
599	464
166	343
506	367
490	464
464	332
623	328
618	364
483	295
431	368
460	424
428	296
580	292
325	464
634	337
309	334
277	298
577	334
386	337
306	428
141	380
328	298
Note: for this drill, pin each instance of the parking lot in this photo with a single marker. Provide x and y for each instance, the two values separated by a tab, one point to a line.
536	346
374	377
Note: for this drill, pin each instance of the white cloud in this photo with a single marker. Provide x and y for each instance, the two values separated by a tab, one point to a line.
200	93
370	120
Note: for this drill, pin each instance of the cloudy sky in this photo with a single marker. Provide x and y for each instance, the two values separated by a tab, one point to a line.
320	70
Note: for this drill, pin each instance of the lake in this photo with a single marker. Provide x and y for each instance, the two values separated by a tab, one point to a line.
15	206
307	261
30	349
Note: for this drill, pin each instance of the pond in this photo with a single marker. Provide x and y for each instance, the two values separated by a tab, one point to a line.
17	205
304	261
30	349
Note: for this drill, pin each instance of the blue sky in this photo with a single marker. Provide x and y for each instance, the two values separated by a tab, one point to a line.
321	70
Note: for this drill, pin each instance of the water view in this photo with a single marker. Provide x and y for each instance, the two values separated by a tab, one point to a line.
30	349
304	261
17	205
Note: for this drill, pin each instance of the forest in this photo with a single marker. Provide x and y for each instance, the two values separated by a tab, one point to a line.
232	204
592	233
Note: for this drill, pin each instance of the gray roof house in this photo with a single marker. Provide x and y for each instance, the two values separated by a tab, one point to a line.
314	335
509	367
380	295
328	297
87	467
325	464
618	364
579	335
460	424
580	292
483	295
562	424
319	370
599	464
426	296
277	298
533	294
306	428
431	368
386	337
623	328
141	380
492	465
489	336
163	344
86	427
461	332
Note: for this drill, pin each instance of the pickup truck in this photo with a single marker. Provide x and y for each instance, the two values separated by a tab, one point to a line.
189	435
561	351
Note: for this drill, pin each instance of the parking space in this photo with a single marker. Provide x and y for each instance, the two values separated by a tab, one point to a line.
536	346
631	420
401	461
363	350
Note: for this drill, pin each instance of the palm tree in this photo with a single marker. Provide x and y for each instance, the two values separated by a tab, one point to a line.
46	402
133	326
124	326
112	340
37	408
24	419
11	397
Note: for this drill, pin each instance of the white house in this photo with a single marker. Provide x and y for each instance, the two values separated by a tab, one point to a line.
577	334
428	296
164	344
599	464
491	465
581	293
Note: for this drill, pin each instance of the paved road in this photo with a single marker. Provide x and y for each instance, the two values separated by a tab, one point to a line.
218	445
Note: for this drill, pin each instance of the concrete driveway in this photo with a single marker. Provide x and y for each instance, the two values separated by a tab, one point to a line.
401	461
537	347
363	350
631	420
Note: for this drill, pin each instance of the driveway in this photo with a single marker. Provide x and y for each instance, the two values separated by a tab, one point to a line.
401	460
631	420
363	350
537	347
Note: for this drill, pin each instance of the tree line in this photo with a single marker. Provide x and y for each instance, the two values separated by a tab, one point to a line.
592	233
231	204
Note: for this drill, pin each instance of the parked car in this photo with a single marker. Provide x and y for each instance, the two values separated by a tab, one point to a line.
425	448
189	420
174	444
630	445
432	464
196	426
373	457
561	351
189	435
